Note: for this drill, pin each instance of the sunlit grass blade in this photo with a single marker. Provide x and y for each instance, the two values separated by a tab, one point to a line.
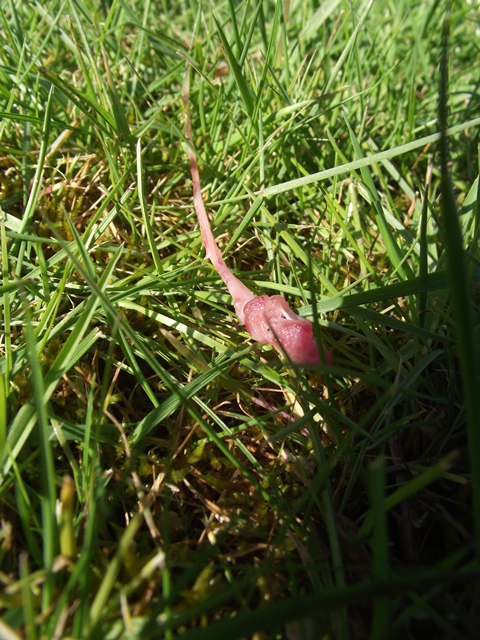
393	249
350	43
243	86
48	489
145	426
107	584
121	120
86	104
72	350
215	490
367	161
147	219
36	181
412	286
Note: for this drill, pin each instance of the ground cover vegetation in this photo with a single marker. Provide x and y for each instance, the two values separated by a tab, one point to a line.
161	475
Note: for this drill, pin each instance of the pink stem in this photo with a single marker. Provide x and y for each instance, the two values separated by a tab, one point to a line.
268	319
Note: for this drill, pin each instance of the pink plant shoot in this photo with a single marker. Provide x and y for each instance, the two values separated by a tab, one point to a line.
268	319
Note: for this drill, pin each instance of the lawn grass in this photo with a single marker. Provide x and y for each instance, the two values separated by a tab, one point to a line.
162	476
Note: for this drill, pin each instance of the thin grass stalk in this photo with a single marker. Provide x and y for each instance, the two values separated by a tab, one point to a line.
29	612
35	186
379	543
147	220
394	252
5	375
48	497
388	154
461	298
81	575
347	49
99	603
28	519
423	266
329	512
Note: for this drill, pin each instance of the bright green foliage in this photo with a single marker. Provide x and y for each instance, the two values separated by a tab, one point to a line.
160	475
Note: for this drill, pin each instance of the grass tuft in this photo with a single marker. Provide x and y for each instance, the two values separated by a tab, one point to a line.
160	474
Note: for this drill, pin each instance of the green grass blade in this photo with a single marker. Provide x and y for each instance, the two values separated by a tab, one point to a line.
413	286
393	250
365	162
37	178
108	581
147	220
242	84
27	598
217	490
274	616
466	329
348	47
48	495
379	543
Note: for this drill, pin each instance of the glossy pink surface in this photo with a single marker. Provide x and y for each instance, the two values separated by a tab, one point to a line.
268	319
